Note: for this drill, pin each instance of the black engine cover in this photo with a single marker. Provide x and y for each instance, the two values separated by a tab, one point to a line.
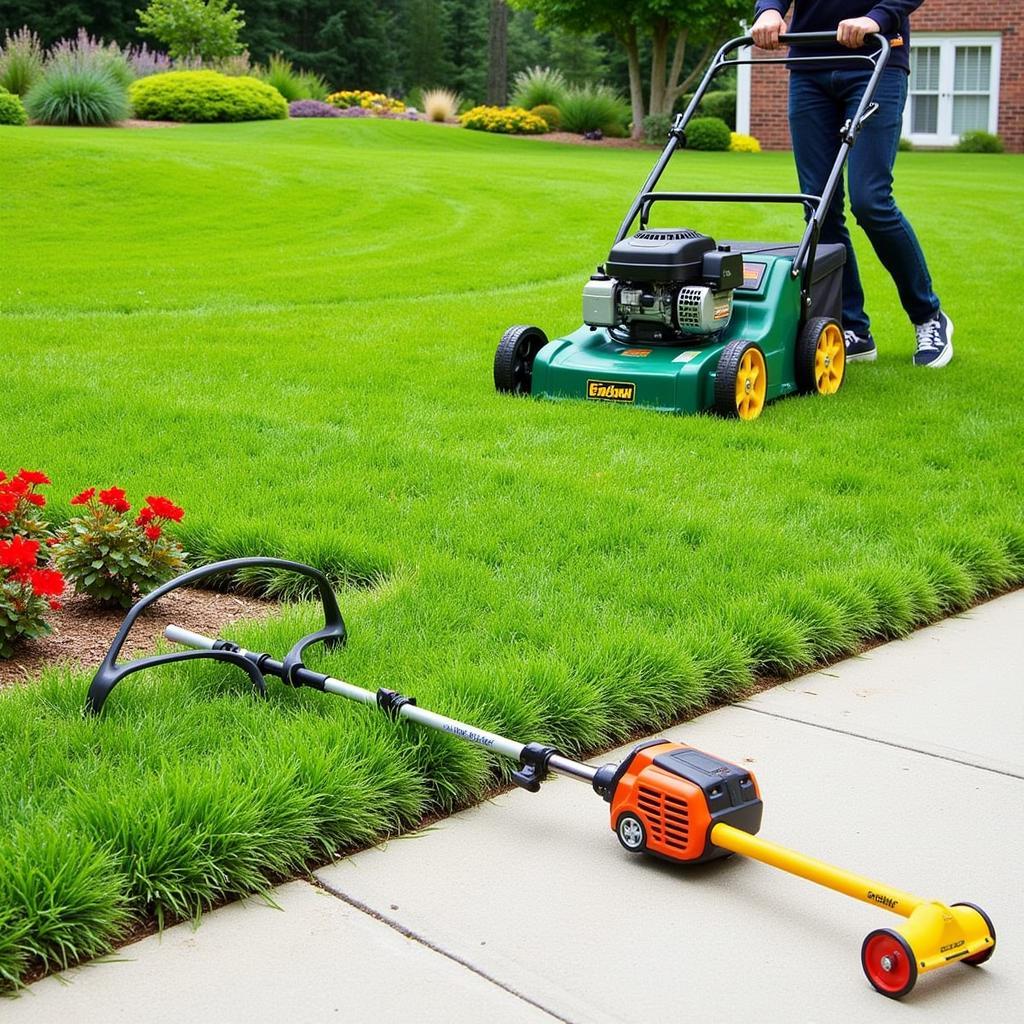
660	254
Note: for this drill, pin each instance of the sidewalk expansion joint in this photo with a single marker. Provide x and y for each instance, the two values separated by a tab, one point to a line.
433	947
884	743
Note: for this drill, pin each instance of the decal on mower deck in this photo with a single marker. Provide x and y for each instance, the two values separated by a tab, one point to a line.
611	390
752	274
638	353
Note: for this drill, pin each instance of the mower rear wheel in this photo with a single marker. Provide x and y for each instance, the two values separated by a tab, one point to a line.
513	362
889	963
741	381
820	357
631	832
985	954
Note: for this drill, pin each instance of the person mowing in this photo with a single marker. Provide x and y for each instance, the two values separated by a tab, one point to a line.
820	102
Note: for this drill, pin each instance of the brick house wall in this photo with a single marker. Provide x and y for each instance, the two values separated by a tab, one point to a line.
768	93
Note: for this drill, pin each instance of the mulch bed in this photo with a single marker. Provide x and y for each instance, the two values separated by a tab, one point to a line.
580	141
82	633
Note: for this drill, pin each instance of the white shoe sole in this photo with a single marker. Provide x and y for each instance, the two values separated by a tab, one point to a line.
863	357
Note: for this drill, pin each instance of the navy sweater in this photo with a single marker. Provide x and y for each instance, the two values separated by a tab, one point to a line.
893	17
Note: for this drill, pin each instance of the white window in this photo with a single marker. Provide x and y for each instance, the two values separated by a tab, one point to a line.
954	87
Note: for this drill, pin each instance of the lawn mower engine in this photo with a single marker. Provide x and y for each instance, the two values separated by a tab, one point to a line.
664	286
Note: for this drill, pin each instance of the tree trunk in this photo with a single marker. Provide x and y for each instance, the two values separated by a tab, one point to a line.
659	63
497	63
636	82
675	91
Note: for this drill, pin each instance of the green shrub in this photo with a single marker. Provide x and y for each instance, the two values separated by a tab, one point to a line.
205	96
12	111
720	104
314	87
656	128
708	133
551	115
21	61
504	120
594	108
905	145
73	93
537	87
979	142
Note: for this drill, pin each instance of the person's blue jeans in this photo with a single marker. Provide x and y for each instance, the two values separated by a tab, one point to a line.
819	104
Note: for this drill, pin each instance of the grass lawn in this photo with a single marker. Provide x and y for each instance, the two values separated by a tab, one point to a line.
289	329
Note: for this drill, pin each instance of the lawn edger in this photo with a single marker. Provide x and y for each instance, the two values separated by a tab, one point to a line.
676	322
666	799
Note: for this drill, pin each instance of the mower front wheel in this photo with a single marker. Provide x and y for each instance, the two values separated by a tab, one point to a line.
513	362
631	832
979	958
741	381
820	357
889	963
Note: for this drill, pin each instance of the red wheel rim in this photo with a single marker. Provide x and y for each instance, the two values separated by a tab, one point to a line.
888	963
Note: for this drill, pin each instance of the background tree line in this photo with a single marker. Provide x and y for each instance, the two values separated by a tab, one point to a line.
643	48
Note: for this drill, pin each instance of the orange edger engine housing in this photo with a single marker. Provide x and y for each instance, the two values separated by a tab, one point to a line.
666	798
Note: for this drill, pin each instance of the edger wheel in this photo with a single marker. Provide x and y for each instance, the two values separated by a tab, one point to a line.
741	381
889	963
631	833
985	954
513	362
820	357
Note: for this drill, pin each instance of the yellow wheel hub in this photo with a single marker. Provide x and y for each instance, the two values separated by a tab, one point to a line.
752	384
829	360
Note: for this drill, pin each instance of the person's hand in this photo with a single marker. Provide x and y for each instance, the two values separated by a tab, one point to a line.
852	31
768	27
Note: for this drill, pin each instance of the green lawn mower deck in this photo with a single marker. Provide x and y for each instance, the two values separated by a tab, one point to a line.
678	322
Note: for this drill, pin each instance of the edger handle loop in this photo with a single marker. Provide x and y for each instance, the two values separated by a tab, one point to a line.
332	634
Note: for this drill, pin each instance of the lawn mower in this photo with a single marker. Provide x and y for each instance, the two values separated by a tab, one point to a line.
677	322
666	799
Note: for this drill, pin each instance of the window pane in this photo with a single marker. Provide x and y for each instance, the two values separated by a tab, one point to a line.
924	69
970	113
972	69
924	115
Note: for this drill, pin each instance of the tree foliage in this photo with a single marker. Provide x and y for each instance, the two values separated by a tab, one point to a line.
193	28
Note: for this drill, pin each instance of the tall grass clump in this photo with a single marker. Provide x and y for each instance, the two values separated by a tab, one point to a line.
537	86
291	83
440	104
85	51
591	108
21	61
70	93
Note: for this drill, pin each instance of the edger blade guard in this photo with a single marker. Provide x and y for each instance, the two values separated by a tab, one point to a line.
110	673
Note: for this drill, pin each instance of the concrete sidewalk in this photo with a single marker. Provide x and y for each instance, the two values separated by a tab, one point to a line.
904	764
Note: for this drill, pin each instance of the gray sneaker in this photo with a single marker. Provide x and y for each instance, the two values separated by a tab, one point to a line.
934	341
859	349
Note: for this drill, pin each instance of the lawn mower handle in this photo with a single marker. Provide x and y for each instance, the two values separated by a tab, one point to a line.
803	261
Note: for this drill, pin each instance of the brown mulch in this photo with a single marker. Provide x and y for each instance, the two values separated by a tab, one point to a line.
580	141
82	633
133	122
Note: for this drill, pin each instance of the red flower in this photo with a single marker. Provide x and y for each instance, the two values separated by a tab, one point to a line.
56	605
3	476
52	542
165	508
8	501
153	532
18	553
36	499
113	496
32	476
84	498
46	582
4	523
145	516
17	485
